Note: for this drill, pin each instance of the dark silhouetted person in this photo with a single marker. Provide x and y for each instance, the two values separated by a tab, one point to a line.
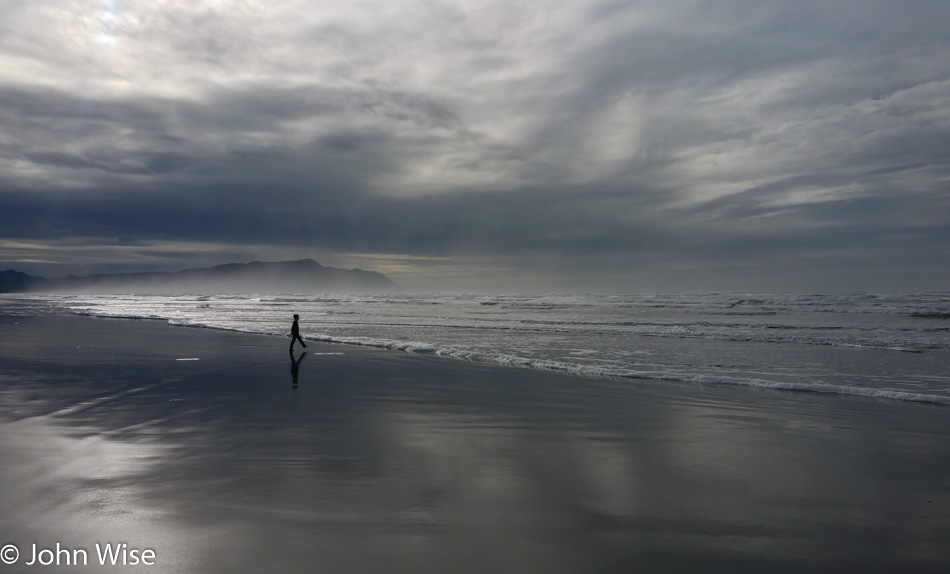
295	334
295	367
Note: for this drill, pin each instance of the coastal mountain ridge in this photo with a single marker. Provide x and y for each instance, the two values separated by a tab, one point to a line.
304	275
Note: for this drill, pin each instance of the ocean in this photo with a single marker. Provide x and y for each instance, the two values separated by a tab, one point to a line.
883	346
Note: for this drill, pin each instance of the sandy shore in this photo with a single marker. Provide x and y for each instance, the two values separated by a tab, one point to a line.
219	454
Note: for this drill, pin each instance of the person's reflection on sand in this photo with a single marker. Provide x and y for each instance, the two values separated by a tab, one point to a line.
295	367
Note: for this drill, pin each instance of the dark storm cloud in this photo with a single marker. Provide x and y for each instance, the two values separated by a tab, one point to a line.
627	139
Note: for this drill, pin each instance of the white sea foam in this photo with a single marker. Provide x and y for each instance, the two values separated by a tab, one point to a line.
849	344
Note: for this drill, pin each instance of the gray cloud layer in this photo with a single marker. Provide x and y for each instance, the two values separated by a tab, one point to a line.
622	144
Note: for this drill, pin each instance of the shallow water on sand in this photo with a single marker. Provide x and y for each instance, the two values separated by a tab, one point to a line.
243	459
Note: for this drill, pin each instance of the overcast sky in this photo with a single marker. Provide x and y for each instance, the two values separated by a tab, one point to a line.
619	144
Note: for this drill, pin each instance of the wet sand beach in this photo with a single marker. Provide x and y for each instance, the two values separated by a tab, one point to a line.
220	452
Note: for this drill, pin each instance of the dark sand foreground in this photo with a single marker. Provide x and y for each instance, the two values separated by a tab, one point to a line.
372	461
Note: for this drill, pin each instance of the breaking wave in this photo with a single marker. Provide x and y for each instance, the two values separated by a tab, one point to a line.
845	344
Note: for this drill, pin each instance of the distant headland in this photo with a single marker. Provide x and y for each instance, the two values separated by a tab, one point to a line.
304	275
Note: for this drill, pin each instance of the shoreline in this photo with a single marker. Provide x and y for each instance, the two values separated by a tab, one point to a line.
562	367
236	462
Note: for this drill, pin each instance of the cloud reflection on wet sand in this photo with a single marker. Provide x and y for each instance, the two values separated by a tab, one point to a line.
379	460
